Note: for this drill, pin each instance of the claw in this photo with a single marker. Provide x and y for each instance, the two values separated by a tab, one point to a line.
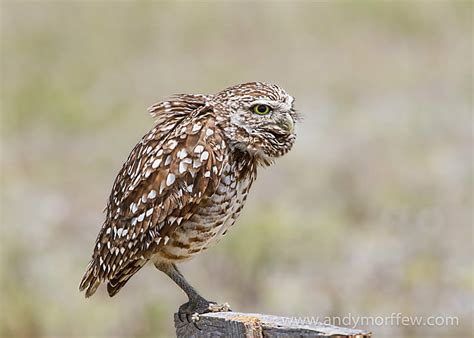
196	326
194	319
188	319
192	309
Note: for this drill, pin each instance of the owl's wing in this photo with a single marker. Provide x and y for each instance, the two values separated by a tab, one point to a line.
169	115
160	186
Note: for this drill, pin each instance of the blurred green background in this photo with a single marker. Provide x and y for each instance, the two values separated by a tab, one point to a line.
370	214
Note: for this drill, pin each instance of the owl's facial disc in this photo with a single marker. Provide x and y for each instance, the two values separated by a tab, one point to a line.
271	126
278	118
261	119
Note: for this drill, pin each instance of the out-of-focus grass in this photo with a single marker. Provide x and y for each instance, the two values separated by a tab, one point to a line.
369	214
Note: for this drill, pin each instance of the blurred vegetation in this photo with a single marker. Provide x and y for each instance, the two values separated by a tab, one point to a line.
372	213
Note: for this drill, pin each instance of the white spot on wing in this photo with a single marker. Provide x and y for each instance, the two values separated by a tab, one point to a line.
156	163
170	179
149	212
183	166
197	163
182	154
204	156
152	194
198	149
172	144
162	186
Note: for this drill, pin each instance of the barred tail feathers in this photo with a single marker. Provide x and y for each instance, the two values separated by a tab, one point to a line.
123	276
91	280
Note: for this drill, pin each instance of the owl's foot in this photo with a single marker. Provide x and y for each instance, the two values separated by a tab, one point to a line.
192	309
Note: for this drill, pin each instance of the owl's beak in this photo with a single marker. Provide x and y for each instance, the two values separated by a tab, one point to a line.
287	123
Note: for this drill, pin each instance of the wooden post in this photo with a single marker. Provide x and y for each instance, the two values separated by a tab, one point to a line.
255	325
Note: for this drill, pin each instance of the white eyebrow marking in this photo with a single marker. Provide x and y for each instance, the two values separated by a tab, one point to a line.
270	103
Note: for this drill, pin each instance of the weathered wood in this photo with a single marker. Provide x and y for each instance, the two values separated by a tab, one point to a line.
255	325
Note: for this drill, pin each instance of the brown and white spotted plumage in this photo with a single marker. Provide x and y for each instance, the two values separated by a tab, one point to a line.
185	183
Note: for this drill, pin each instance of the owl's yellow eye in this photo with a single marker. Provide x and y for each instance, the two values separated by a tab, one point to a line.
261	109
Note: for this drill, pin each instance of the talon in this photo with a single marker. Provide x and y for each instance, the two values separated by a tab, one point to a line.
194	319
196	326
197	306
189	318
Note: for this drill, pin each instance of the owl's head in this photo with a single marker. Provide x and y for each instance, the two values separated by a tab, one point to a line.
257	118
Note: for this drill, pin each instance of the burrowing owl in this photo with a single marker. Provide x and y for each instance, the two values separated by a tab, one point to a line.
185	183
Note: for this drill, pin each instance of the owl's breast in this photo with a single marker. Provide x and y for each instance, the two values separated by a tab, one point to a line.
211	220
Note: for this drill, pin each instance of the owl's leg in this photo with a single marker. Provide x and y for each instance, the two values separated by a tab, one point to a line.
196	304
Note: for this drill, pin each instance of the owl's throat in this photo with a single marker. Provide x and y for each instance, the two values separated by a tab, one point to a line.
249	155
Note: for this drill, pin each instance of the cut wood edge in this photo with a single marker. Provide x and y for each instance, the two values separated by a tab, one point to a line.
238	324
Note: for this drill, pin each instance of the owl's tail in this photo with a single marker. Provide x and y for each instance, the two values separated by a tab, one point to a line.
123	275
91	280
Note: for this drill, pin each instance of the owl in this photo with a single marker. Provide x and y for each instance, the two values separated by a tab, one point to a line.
185	183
